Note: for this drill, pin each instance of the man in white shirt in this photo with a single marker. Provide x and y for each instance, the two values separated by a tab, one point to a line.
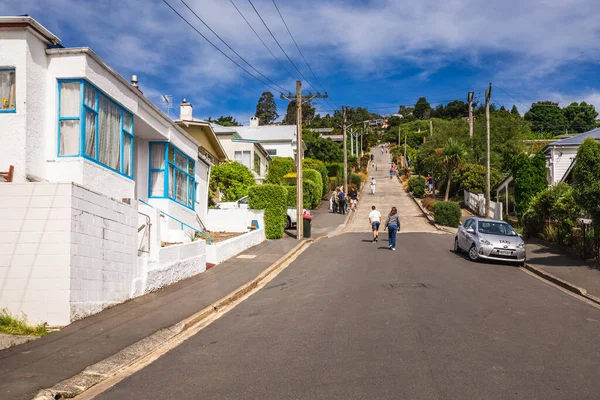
372	185
375	221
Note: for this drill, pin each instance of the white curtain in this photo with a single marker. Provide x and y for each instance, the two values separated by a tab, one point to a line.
69	137
157	156
7	90
90	134
157	161
127	155
109	133
157	188
247	159
238	156
171	182
70	99
182	187
90	97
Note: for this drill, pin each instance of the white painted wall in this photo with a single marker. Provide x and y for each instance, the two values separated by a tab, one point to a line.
284	149
216	253
559	162
233	220
476	203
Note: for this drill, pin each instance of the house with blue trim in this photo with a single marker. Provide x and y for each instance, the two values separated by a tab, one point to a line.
102	180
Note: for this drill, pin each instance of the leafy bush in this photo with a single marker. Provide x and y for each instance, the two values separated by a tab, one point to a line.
292	195
363	176
309	163
273	199
530	178
312	193
335	169
278	167
447	213
317	179
471	177
355	180
416	185
428	203
232	179
333	183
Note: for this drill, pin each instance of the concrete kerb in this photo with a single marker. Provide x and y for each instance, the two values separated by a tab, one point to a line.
562	283
102	370
429	217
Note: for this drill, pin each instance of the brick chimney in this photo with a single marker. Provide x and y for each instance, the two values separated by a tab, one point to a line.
254	121
185	111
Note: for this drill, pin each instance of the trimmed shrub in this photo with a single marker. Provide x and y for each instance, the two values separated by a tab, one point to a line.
315	176
291	196
447	213
312	195
335	169
355	180
232	179
310	163
530	178
273	199
278	167
416	185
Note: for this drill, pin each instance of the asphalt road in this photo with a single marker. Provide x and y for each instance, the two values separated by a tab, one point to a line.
350	319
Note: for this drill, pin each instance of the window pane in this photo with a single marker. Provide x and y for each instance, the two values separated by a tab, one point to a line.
182	161
182	187
90	134
192	167
69	138
191	193
8	90
109	133
237	156
171	155
127	121
157	184
246	159
157	156
90	97
171	182
70	99
127	155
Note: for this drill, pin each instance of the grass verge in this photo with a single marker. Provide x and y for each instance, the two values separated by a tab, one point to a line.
18	326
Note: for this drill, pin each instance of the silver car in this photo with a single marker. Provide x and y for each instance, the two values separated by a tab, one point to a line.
490	239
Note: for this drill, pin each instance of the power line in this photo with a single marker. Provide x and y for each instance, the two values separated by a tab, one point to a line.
278	44
229	47
300	51
262	41
217	48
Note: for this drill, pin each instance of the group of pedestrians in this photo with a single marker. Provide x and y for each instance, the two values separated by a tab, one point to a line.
340	202
392	224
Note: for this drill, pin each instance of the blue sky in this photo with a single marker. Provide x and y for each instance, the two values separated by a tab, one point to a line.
375	53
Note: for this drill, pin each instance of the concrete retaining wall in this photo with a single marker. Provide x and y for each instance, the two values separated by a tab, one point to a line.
233	220
218	252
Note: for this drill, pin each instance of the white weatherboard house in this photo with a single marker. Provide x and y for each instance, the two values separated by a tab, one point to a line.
101	177
248	152
560	156
278	140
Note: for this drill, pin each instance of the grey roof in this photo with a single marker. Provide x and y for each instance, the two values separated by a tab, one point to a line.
276	133
577	139
223	129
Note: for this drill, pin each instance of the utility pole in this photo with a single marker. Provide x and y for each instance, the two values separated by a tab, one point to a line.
398	135
300	152
488	94
470	99
430	127
345	153
405	159
361	137
351	141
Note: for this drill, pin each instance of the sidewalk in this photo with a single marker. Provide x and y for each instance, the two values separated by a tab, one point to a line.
27	368
564	267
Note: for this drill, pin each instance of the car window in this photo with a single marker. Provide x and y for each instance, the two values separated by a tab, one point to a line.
243	200
496	228
468	223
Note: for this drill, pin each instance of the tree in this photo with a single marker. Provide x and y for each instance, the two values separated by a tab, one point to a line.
454	154
515	111
529	175
320	148
232	179
581	117
546	116
456	109
586	185
308	113
224	121
422	109
266	109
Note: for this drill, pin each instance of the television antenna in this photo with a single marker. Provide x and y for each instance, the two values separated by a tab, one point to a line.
167	100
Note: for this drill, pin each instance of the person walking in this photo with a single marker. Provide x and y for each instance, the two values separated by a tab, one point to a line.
391	172
353	194
375	221
373	185
342	202
392	224
334	200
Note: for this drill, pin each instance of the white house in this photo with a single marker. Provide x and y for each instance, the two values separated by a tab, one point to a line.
101	177
560	155
278	140
248	152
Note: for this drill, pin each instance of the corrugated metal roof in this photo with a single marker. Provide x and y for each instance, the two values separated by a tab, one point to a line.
578	139
284	133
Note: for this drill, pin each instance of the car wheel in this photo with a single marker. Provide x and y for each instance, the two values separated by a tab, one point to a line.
456	246
473	255
288	223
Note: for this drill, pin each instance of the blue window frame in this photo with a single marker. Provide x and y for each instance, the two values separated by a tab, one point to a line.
172	174
94	126
8	90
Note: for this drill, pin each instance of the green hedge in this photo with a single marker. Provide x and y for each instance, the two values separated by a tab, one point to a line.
320	167
529	175
447	213
312	193
335	169
278	167
314	176
291	195
416	185
355	179
232	179
273	199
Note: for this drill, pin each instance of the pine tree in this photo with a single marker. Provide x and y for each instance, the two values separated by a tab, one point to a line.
266	109
514	111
